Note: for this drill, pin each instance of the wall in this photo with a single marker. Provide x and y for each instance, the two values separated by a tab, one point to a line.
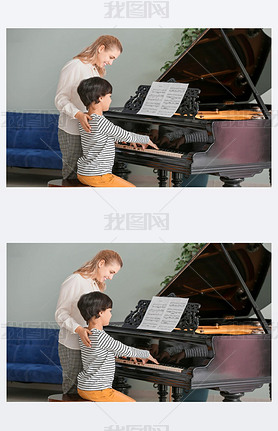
36	56
36	271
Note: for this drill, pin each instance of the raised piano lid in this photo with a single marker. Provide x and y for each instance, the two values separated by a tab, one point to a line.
209	65
209	280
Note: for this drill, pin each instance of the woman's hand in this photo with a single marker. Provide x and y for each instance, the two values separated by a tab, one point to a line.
83	119
84	335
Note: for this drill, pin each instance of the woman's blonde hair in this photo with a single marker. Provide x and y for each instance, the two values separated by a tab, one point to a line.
88	55
88	269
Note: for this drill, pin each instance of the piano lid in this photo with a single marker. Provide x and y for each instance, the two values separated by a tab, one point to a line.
209	280
209	65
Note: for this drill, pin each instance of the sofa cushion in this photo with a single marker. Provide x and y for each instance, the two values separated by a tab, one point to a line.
32	355
36	373
35	158
31	130
32	140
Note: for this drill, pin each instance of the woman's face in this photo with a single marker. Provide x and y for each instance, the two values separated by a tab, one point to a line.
106	272
105	57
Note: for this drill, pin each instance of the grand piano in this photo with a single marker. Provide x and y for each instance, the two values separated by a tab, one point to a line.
216	130
216	345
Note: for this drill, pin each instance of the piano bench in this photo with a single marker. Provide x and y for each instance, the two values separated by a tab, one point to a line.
65	183
65	398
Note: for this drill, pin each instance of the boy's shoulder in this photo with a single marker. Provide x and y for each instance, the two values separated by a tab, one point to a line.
99	118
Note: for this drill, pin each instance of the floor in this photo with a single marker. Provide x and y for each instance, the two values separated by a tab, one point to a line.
17	392
140	176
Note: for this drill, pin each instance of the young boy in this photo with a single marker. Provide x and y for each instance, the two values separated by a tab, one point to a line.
94	168
95	381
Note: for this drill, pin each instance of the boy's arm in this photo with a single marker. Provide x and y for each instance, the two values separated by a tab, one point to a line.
119	134
119	349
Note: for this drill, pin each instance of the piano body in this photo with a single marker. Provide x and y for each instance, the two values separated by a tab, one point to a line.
218	130
216	345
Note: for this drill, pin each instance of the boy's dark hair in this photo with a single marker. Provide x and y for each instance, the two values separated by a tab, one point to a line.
91	89
92	303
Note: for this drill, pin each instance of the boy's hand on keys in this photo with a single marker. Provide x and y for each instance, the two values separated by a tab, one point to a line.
144	360
143	146
149	144
149	358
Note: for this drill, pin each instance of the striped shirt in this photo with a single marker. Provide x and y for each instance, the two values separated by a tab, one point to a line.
98	146
99	360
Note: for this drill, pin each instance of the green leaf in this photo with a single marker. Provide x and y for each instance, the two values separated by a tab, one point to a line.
187	253
188	36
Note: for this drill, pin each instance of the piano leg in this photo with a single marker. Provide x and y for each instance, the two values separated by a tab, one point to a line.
121	385
162	177
231	182
162	391
177	179
177	394
228	397
120	169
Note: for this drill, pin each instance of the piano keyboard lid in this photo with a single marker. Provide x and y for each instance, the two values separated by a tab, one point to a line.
209	280
209	65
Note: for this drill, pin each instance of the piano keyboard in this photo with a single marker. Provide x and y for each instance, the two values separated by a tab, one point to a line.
150	151
150	365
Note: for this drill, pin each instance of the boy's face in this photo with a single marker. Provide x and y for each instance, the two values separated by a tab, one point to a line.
105	101
105	316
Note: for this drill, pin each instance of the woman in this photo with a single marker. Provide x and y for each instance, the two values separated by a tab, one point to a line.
89	63
89	278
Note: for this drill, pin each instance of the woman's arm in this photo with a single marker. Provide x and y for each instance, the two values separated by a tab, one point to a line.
70	293
70	78
84	335
84	119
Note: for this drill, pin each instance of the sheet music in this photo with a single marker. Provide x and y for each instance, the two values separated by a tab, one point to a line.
163	99
163	313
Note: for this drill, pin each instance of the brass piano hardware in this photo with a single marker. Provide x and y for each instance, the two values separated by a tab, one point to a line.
229	115
229	329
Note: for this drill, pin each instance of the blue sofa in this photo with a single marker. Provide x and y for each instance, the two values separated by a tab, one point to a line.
32	355
32	140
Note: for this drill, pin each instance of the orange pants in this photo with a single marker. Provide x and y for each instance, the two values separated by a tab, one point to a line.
107	180
105	395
